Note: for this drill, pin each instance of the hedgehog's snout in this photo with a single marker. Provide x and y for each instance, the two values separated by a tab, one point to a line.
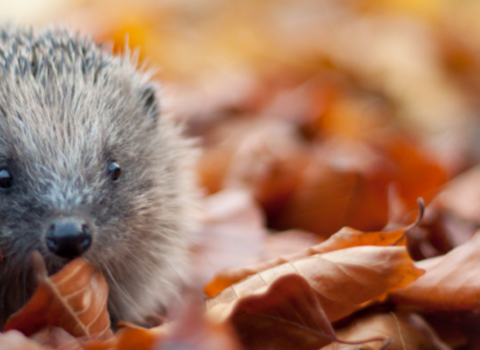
68	237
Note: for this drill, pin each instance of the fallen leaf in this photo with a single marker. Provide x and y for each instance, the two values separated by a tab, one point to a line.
267	157
344	280
131	337
400	331
74	299
450	281
345	238
416	173
286	315
349	187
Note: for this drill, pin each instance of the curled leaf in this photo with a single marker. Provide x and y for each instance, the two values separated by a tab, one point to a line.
400	331
74	299
344	280
286	315
450	282
345	238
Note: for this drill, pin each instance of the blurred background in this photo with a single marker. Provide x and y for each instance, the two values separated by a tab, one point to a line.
328	112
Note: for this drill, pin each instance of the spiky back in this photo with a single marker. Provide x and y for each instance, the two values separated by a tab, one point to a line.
56	55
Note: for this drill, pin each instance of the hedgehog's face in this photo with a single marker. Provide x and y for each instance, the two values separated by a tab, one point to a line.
82	177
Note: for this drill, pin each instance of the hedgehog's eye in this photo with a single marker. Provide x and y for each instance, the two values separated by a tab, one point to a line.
5	178
114	171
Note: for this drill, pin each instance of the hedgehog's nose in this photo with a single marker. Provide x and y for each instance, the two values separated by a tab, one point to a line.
68	237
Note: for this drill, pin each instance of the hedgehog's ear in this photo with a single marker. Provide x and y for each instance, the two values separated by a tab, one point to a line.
150	103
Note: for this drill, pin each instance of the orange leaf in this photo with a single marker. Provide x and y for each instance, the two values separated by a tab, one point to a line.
286	316
74	299
339	194
131	337
450	281
416	174
345	238
344	280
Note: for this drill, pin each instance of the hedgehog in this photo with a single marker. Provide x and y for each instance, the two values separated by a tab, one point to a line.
91	168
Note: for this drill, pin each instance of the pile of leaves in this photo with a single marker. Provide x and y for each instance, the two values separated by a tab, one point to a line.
321	124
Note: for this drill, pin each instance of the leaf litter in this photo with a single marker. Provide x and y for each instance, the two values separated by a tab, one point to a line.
321	124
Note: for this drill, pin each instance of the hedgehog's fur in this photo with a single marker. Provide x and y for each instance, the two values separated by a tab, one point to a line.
68	107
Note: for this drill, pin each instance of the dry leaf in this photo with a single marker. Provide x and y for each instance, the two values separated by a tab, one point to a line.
417	174
317	84
345	238
74	299
400	331
344	280
450	281
338	192
130	337
266	157
287	315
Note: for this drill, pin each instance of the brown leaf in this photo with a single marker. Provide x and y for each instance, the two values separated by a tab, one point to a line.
450	281
344	280
265	156
74	299
417	174
285	315
349	187
401	331
345	238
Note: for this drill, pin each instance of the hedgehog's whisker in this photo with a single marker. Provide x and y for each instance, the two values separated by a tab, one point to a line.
126	295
